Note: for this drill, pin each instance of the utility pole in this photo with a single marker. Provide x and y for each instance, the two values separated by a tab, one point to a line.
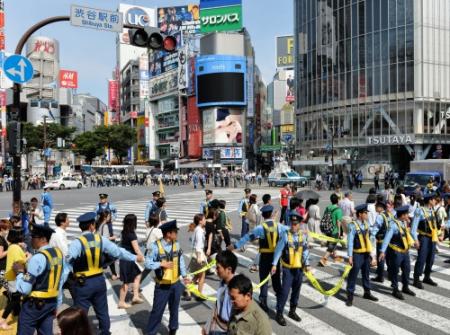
45	149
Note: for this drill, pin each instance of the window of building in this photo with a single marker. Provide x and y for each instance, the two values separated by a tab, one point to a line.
355	53
369	14
354	20
369	50
409	11
384	48
410	76
392	13
385	79
401	77
393	78
384	16
376	15
409	42
376	48
376	80
392	46
347	22
401	44
400	12
362	52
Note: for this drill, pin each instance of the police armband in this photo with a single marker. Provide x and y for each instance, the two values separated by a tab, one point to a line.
28	277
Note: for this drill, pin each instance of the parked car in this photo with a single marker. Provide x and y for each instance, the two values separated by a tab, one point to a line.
63	183
290	177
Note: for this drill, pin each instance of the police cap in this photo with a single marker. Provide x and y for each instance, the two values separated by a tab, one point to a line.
103	195
169	226
381	204
295	217
427	197
266	209
247	191
208	192
361	208
87	217
402	210
156	194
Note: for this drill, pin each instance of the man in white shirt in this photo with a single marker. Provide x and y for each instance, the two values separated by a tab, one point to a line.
59	237
348	205
37	215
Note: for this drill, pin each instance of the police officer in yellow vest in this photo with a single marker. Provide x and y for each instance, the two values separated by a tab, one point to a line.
41	284
424	231
88	254
380	228
399	240
359	249
166	258
292	249
268	234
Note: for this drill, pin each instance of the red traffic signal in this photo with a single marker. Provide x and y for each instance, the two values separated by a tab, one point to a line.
150	37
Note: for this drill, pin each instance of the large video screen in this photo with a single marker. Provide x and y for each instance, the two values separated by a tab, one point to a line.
221	87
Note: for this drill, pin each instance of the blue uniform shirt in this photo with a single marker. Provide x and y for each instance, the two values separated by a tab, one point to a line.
152	262
258	233
47	200
35	267
203	205
419	216
282	242
112	209
150	206
351	235
393	229
108	247
241	204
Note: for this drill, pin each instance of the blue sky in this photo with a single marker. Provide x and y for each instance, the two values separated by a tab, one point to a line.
92	53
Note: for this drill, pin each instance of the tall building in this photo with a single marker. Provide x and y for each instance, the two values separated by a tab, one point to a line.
372	81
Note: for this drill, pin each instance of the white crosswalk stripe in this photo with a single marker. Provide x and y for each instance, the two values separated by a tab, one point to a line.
388	316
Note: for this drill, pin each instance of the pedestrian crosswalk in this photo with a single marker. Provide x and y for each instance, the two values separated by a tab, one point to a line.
427	313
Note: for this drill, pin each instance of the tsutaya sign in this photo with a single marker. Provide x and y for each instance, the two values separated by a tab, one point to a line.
391	139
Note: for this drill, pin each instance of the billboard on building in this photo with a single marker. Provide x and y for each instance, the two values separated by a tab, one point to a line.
136	16
68	79
162	62
285	51
222	126
228	18
163	84
221	81
113	95
175	19
290	86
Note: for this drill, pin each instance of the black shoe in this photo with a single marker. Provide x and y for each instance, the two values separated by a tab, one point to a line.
397	294
199	299
369	296
264	306
418	284
378	279
172	332
447	261
349	301
280	319
408	291
293	315
429	281
186	298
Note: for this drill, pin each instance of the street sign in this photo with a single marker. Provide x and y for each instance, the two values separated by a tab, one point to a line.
18	69
288	137
99	19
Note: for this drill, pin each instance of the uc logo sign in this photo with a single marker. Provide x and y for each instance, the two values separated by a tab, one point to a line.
138	17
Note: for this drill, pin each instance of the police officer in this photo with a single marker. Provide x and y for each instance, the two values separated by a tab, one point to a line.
105	205
166	258
47	205
292	249
243	208
424	231
41	283
87	256
359	249
151	206
399	240
268	233
380	228
204	206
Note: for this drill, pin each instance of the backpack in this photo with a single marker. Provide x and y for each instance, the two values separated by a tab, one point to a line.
326	223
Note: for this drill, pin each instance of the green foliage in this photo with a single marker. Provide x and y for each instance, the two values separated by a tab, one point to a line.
35	135
87	144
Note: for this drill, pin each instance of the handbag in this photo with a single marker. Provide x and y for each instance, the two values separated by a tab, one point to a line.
146	241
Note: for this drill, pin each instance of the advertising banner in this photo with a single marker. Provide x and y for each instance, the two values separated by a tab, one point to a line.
162	62
221	19
164	84
182	69
68	79
290	86
136	16
250	88
222	126
113	95
226	153
191	76
184	19
285	51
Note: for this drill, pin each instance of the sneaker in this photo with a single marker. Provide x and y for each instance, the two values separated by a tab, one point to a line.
429	281
280	320
397	294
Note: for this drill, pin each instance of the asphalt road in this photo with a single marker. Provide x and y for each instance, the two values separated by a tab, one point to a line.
425	314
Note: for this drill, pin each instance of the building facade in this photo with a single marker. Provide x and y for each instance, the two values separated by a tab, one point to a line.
373	80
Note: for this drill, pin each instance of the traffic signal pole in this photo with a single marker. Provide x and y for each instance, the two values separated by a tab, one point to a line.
17	88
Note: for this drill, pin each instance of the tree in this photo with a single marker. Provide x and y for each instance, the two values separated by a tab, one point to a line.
87	145
34	135
118	137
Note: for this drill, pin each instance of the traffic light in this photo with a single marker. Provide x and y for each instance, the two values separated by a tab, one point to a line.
14	137
150	37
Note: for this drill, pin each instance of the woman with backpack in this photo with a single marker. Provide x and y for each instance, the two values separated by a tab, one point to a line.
103	230
253	213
